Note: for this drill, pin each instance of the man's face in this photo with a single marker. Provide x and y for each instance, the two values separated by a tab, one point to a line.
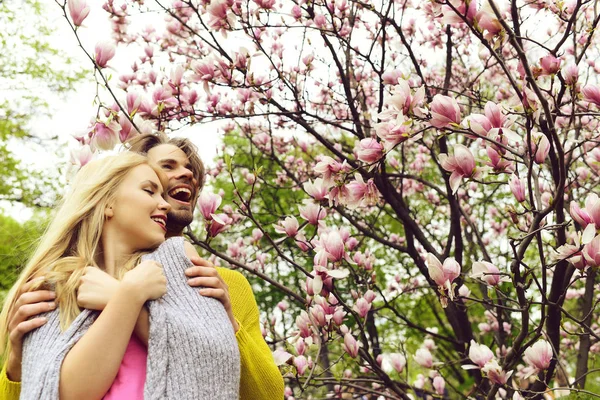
183	187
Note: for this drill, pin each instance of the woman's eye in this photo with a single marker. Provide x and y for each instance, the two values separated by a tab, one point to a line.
149	191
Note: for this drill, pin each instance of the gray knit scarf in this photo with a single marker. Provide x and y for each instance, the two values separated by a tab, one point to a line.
192	350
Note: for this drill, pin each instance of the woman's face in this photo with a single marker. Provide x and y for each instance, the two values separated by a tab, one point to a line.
138	216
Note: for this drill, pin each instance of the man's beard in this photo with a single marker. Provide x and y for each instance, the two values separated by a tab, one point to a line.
177	220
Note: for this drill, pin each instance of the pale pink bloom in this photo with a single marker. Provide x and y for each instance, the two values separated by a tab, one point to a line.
127	130
398	362
312	212
539	355
350	345
318	314
176	76
265	4
289	226
301	364
81	155
517	188
369	150
79	10
497	162
220	222
591	93
300	346
334	245
444	111
424	358
464	291
104	52
106	134
338	316
296	12
362	307
487	21
328	167
303	324
402	102
480	354
283	305
133	101
550	64
591	252
208	204
461	165
487	272
370	295
571	74
391	77
439	384
495	373
461	13
281	356
317	189
360	193
581	216
540	147
220	15
443	274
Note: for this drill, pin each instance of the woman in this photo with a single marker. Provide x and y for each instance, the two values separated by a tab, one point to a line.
113	213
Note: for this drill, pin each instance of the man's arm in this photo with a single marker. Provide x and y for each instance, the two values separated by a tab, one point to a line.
260	377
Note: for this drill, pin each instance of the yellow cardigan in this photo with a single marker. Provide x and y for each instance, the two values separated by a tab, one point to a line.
260	379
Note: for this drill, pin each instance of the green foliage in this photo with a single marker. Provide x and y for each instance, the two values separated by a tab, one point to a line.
32	71
16	242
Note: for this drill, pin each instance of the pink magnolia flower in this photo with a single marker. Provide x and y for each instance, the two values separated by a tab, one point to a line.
334	245
550	64
208	204
220	222
303	324
328	167
444	111
360	193
517	188
104	52
362	307
106	134
316	189
443	274
540	147
591	252
220	16
461	165
487	21
480	354
289	226
79	10
398	362
402	102
81	155
498	163
301	364
439	384
318	314
495	373
591	93
424	358
571	74
487	272
350	345
539	355
312	212
369	150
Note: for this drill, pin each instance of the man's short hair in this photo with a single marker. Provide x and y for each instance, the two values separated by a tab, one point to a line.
143	143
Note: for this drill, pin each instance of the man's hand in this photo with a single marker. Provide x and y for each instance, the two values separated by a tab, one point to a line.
204	274
23	320
96	289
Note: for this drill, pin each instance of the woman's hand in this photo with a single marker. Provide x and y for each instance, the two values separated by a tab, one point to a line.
96	289
148	278
23	320
204	274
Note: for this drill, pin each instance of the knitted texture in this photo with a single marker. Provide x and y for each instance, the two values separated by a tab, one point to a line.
9	390
192	350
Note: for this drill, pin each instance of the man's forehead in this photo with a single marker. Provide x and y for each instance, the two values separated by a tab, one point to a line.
166	152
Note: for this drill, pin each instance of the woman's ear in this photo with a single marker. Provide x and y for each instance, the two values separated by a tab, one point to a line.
108	212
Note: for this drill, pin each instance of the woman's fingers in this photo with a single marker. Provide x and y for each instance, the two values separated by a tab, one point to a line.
199	261
26	311
208	282
34	297
218	294
30	284
16	334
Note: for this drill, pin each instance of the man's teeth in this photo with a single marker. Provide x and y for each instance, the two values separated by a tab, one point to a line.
159	220
176	191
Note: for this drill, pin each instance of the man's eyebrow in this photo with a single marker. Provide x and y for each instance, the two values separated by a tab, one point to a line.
167	160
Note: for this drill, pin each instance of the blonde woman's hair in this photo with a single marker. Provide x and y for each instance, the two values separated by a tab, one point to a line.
72	239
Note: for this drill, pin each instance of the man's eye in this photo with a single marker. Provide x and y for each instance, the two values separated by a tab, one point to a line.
167	167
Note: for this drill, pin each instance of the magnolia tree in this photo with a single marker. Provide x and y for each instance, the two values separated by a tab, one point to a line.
410	185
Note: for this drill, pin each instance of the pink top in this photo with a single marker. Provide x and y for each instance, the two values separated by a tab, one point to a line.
130	380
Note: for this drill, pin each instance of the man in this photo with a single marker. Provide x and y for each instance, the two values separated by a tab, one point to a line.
260	377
